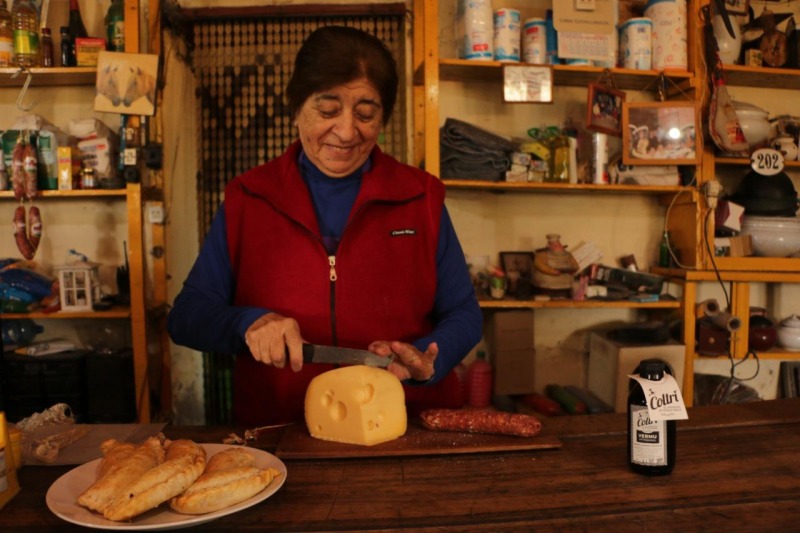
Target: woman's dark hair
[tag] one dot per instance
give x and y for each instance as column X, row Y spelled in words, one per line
column 335, row 55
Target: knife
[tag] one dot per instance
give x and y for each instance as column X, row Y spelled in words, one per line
column 314, row 353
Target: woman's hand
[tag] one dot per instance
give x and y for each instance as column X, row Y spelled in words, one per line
column 271, row 336
column 408, row 361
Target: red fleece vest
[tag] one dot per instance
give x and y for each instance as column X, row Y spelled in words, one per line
column 381, row 284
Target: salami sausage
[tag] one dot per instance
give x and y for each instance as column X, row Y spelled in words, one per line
column 21, row 234
column 18, row 170
column 35, row 219
column 481, row 421
column 30, row 164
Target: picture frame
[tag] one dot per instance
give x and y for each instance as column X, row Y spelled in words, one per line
column 518, row 266
column 660, row 133
column 527, row 84
column 126, row 83
column 737, row 7
column 604, row 109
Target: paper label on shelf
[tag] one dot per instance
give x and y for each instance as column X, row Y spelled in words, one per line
column 767, row 161
column 664, row 400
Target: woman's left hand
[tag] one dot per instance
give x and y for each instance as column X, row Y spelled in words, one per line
column 409, row 363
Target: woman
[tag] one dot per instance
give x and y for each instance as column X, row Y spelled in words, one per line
column 334, row 243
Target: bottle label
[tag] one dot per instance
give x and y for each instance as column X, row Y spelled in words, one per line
column 6, row 51
column 116, row 35
column 26, row 42
column 664, row 400
column 648, row 438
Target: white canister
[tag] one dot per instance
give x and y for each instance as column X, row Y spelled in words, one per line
column 534, row 41
column 474, row 30
column 670, row 47
column 507, row 35
column 600, row 158
column 635, row 44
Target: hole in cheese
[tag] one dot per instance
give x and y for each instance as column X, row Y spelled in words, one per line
column 356, row 404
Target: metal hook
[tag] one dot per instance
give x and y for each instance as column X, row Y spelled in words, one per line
column 24, row 90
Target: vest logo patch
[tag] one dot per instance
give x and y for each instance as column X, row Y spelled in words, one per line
column 401, row 232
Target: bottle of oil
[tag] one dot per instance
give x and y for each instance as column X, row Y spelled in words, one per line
column 25, row 20
column 6, row 36
column 558, row 166
column 651, row 443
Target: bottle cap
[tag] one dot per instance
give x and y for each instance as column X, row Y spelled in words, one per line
column 45, row 31
column 64, row 29
column 652, row 366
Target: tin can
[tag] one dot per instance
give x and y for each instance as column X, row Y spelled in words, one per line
column 534, row 41
column 635, row 44
column 474, row 29
column 506, row 34
column 670, row 45
column 88, row 179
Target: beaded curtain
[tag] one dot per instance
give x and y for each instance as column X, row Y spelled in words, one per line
column 242, row 67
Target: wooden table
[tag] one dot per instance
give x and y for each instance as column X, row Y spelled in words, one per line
column 738, row 469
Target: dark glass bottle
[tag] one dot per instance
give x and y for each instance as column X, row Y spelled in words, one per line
column 651, row 444
column 67, row 52
column 47, row 48
column 76, row 28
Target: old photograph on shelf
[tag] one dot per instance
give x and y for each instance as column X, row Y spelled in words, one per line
column 604, row 109
column 660, row 133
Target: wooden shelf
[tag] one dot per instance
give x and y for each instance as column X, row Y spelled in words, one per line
column 562, row 187
column 49, row 77
column 576, row 304
column 118, row 311
column 80, row 193
column 774, row 78
column 755, row 269
column 465, row 70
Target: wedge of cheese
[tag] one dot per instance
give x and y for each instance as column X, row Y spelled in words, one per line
column 356, row 404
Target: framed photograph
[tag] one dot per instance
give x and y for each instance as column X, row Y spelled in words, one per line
column 660, row 133
column 517, row 266
column 737, row 7
column 604, row 109
column 528, row 84
column 126, row 83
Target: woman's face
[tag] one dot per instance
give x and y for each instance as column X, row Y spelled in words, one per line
column 339, row 127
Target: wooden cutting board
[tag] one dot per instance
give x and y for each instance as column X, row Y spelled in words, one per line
column 297, row 443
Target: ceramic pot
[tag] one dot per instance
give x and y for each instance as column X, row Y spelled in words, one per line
column 789, row 333
column 729, row 47
column 785, row 144
column 762, row 335
column 755, row 124
column 773, row 236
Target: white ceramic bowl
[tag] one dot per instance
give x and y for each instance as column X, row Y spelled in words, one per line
column 789, row 333
column 755, row 124
column 773, row 236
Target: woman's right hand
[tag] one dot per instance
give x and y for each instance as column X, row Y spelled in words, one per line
column 271, row 337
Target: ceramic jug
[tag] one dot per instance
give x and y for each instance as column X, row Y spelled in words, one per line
column 729, row 47
column 785, row 144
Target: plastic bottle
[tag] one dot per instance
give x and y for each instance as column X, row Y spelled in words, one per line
column 558, row 166
column 67, row 51
column 47, row 48
column 6, row 36
column 479, row 380
column 9, row 485
column 651, row 444
column 115, row 26
column 25, row 20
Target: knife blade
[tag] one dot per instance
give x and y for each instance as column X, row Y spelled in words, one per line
column 315, row 353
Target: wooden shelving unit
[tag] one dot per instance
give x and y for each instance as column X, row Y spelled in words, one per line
column 48, row 77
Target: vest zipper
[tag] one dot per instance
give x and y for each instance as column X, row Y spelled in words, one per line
column 332, row 278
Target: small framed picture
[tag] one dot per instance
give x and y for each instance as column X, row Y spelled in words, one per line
column 126, row 83
column 604, row 109
column 660, row 133
column 528, row 84
column 518, row 266
column 737, row 7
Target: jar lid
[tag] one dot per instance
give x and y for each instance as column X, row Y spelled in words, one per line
column 791, row 322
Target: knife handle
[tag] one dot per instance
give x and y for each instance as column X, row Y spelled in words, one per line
column 308, row 353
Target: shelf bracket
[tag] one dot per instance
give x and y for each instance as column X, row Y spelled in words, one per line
column 24, row 90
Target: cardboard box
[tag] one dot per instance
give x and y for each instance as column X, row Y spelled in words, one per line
column 64, row 162
column 611, row 362
column 509, row 339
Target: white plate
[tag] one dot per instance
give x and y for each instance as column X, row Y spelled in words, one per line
column 63, row 495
